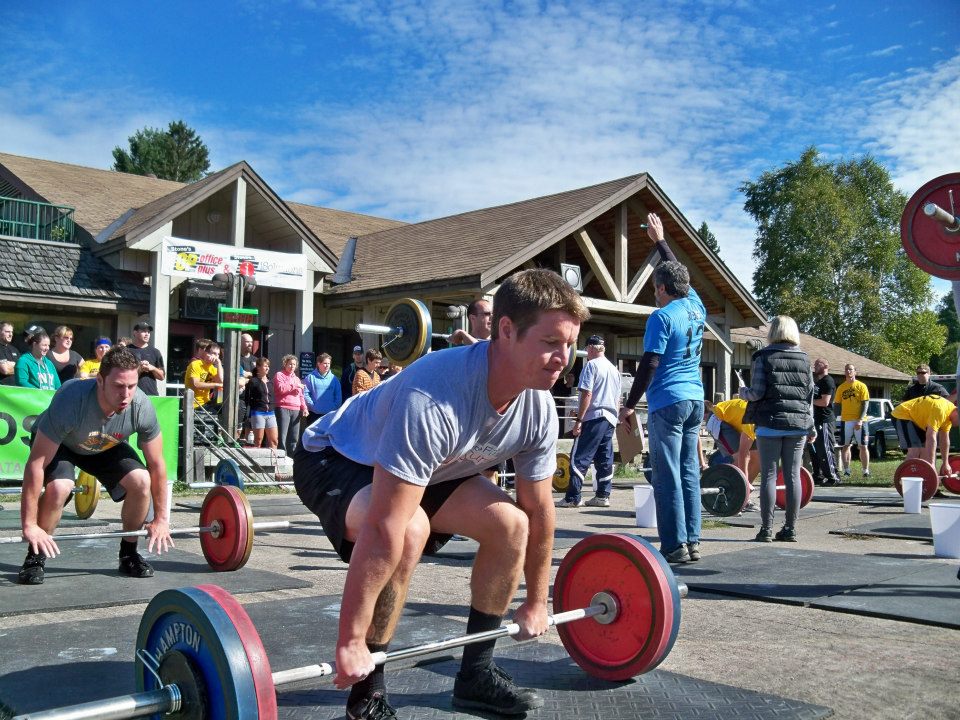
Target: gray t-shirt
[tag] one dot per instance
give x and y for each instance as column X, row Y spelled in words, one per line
column 433, row 422
column 601, row 378
column 75, row 420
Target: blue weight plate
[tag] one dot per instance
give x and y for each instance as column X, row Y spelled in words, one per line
column 190, row 621
column 228, row 473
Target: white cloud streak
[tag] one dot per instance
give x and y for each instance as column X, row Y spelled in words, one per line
column 490, row 103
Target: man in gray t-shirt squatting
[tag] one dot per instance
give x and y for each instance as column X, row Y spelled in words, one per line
column 87, row 425
column 403, row 461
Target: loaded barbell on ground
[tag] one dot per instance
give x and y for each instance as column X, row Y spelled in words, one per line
column 920, row 468
column 409, row 330
column 201, row 656
column 86, row 495
column 226, row 530
column 725, row 490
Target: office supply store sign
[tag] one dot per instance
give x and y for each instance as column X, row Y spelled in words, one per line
column 201, row 261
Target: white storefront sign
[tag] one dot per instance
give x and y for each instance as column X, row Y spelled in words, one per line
column 202, row 260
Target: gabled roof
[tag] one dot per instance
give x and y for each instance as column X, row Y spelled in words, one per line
column 333, row 227
column 835, row 356
column 51, row 271
column 474, row 249
column 99, row 196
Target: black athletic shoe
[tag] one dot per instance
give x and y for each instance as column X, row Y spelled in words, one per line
column 765, row 535
column 786, row 534
column 374, row 707
column 493, row 690
column 32, row 571
column 135, row 566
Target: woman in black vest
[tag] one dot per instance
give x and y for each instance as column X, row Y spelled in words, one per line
column 780, row 400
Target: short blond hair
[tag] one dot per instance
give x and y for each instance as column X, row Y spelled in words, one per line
column 783, row 329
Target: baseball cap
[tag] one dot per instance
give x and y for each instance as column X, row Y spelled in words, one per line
column 595, row 340
column 102, row 341
column 143, row 325
column 357, row 349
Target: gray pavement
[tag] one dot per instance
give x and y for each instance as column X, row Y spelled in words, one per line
column 858, row 665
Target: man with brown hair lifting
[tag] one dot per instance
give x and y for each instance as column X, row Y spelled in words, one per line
column 398, row 469
column 87, row 426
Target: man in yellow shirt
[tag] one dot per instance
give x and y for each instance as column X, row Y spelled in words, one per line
column 853, row 396
column 922, row 425
column 735, row 438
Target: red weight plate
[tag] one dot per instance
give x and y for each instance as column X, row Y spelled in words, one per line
column 953, row 483
column 252, row 645
column 806, row 489
column 915, row 467
column 228, row 506
column 925, row 240
column 640, row 636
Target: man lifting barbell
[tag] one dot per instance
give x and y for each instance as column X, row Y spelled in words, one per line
column 736, row 440
column 401, row 465
column 922, row 425
column 87, row 425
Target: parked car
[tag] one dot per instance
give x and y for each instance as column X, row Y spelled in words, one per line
column 880, row 428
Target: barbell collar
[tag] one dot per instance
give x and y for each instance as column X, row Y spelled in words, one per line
column 163, row 701
column 311, row 672
column 261, row 526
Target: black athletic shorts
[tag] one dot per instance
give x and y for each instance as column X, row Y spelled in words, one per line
column 326, row 482
column 109, row 467
column 910, row 434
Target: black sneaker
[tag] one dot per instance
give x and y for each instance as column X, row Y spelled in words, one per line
column 679, row 555
column 374, row 707
column 765, row 535
column 493, row 690
column 786, row 534
column 135, row 566
column 32, row 571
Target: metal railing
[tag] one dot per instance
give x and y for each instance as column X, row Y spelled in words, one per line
column 36, row 220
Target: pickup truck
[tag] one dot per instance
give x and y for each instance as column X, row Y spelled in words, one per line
column 880, row 428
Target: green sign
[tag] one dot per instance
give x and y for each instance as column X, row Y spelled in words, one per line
column 238, row 318
column 19, row 408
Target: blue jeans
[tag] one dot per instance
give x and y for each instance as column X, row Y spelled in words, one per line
column 594, row 446
column 675, row 467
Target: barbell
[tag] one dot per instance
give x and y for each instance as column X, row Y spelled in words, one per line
column 201, row 656
column 920, row 468
column 408, row 331
column 929, row 232
column 86, row 494
column 725, row 489
column 226, row 529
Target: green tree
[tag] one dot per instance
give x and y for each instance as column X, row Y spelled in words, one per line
column 945, row 362
column 828, row 254
column 708, row 237
column 177, row 153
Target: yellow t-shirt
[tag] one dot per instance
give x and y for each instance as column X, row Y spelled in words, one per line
column 731, row 412
column 851, row 396
column 204, row 372
column 90, row 367
column 927, row 411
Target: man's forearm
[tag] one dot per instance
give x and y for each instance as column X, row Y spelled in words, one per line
column 374, row 560
column 585, row 397
column 539, row 557
column 30, row 494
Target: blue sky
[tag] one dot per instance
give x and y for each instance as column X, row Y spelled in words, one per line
column 417, row 109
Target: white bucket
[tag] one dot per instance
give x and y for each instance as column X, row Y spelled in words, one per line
column 945, row 523
column 645, row 506
column 912, row 494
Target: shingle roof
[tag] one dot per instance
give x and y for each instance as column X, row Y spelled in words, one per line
column 99, row 196
column 465, row 245
column 333, row 227
column 835, row 356
column 54, row 270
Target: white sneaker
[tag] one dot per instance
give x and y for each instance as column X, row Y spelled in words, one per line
column 569, row 504
column 598, row 502
column 866, row 473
